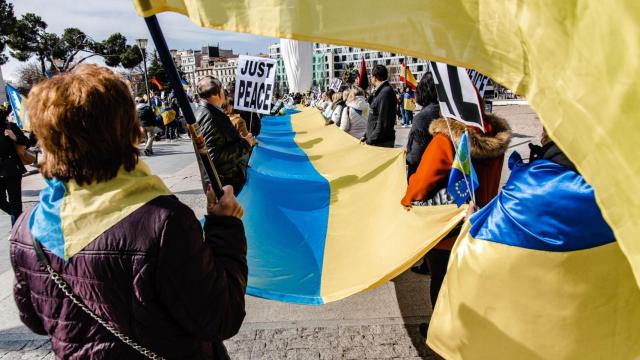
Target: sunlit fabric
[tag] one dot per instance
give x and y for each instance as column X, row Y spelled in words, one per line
column 297, row 57
column 322, row 216
column 575, row 61
column 537, row 274
column 70, row 216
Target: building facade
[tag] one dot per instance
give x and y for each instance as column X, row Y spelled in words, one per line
column 222, row 68
column 331, row 61
column 210, row 60
column 187, row 61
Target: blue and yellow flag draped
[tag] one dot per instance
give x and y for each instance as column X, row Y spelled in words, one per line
column 322, row 216
column 69, row 216
column 537, row 274
column 575, row 61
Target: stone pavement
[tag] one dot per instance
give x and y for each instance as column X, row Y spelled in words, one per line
column 377, row 324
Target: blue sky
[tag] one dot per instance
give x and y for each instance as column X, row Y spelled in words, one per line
column 99, row 19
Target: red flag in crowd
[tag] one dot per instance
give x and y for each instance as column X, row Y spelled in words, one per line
column 155, row 82
column 363, row 79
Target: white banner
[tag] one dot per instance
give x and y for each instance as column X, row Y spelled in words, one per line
column 254, row 84
column 335, row 84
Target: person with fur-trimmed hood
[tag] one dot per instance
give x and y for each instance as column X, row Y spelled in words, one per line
column 428, row 185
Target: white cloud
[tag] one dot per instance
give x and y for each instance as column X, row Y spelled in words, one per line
column 99, row 19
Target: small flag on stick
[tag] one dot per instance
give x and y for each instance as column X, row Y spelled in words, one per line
column 463, row 179
column 409, row 80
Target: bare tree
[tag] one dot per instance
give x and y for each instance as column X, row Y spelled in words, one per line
column 29, row 75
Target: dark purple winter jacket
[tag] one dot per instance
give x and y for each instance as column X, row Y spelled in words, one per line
column 151, row 275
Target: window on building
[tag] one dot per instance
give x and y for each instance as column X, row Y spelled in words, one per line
column 336, row 58
column 387, row 62
column 420, row 67
column 344, row 57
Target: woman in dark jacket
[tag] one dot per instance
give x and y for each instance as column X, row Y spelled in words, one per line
column 134, row 257
column 419, row 136
column 11, row 169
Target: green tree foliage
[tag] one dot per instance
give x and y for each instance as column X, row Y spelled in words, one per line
column 61, row 53
column 131, row 57
column 350, row 75
column 8, row 21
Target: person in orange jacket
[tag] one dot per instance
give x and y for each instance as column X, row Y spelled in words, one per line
column 428, row 185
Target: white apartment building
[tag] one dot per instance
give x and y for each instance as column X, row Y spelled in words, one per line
column 222, row 69
column 187, row 61
column 330, row 61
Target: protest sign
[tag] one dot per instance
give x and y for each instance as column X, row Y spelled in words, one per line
column 335, row 84
column 254, row 84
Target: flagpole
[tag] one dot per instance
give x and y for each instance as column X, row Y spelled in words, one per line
column 473, row 191
column 405, row 74
column 197, row 139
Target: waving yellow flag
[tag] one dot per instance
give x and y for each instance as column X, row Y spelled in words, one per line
column 577, row 62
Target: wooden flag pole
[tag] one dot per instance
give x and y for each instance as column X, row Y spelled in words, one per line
column 197, row 139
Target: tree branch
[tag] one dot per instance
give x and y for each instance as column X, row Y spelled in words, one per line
column 81, row 60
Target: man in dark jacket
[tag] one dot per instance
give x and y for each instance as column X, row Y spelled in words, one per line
column 382, row 117
column 228, row 150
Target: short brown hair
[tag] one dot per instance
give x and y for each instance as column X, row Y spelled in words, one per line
column 85, row 122
column 209, row 86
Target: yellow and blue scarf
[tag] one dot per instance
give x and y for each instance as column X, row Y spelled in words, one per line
column 69, row 216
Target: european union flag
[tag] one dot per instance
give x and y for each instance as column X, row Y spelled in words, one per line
column 462, row 174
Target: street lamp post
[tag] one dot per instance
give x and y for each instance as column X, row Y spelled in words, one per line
column 142, row 46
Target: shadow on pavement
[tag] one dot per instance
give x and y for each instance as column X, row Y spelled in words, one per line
column 412, row 293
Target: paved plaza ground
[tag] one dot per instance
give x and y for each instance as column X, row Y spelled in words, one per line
column 378, row 324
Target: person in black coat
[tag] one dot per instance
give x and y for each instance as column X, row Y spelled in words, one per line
column 11, row 169
column 228, row 150
column 253, row 121
column 419, row 136
column 382, row 117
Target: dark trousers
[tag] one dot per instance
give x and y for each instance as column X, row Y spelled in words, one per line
column 437, row 259
column 172, row 130
column 11, row 196
column 411, row 169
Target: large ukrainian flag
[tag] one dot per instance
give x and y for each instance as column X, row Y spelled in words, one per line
column 537, row 274
column 575, row 61
column 322, row 213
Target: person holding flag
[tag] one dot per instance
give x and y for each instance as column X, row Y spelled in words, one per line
column 429, row 185
column 409, row 106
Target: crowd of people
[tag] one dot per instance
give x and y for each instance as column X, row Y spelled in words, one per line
column 163, row 284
